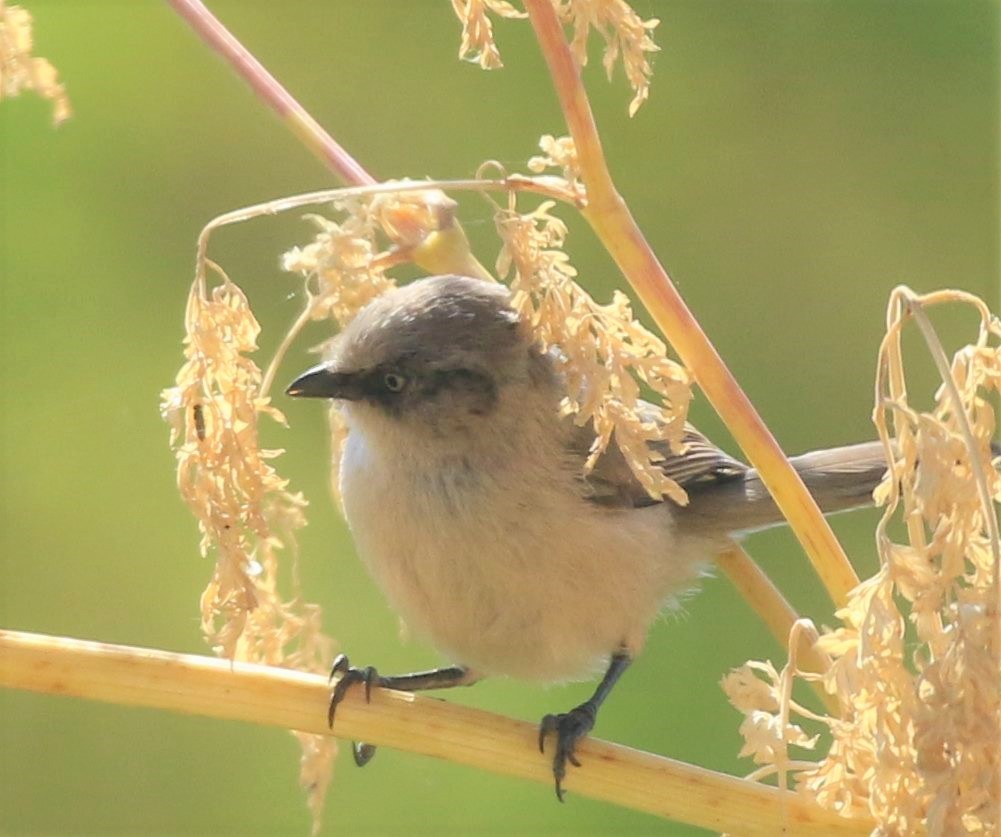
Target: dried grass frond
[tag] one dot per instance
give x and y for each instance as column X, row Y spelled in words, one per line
column 603, row 352
column 246, row 513
column 627, row 36
column 560, row 153
column 477, row 43
column 20, row 70
column 917, row 657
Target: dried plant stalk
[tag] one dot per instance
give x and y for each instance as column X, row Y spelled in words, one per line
column 767, row 601
column 288, row 699
column 917, row 658
column 610, row 218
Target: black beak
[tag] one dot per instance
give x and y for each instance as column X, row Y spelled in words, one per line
column 323, row 382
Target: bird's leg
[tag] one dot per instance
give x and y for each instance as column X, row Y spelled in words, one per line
column 570, row 727
column 347, row 676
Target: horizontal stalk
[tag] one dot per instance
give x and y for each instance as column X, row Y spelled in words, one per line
column 296, row 700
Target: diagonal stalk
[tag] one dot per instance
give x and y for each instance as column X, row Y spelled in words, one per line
column 271, row 92
column 444, row 250
column 772, row 608
column 615, row 226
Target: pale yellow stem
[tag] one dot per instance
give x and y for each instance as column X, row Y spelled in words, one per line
column 611, row 219
column 296, row 700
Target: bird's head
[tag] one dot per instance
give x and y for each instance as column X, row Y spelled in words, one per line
column 434, row 358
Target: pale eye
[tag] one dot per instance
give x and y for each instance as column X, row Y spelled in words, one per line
column 394, row 382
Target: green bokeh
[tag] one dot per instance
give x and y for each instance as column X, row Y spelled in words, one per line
column 796, row 161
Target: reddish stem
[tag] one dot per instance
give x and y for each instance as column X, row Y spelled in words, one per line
column 268, row 88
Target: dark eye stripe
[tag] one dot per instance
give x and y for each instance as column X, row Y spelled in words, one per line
column 479, row 385
column 478, row 388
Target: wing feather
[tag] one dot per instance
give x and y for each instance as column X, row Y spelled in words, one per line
column 612, row 482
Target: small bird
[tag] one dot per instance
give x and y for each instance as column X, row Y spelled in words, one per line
column 466, row 494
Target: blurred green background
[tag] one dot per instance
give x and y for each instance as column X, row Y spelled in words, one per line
column 796, row 160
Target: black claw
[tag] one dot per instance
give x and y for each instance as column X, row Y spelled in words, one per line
column 347, row 676
column 362, row 752
column 570, row 727
column 340, row 665
column 369, row 675
column 547, row 726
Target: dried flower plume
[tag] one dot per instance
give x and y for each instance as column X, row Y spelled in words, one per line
column 917, row 657
column 627, row 36
column 20, row 70
column 603, row 351
column 245, row 511
column 477, row 43
column 560, row 153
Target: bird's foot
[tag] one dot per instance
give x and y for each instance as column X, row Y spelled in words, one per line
column 347, row 676
column 570, row 727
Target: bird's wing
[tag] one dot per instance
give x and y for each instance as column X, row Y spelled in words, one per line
column 612, row 482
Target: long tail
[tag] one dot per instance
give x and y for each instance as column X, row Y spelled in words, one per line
column 838, row 478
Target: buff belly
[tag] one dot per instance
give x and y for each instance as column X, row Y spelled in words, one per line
column 540, row 585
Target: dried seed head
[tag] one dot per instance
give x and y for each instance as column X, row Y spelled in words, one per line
column 604, row 351
column 627, row 36
column 245, row 511
column 560, row 153
column 917, row 657
column 20, row 71
column 477, row 31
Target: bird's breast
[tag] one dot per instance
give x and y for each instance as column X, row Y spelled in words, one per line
column 508, row 573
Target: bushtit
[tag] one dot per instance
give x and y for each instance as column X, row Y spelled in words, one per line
column 466, row 494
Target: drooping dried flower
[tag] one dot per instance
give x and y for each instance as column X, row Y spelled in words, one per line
column 603, row 350
column 560, row 153
column 917, row 657
column 245, row 511
column 626, row 35
column 20, row 70
column 338, row 264
column 477, row 31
